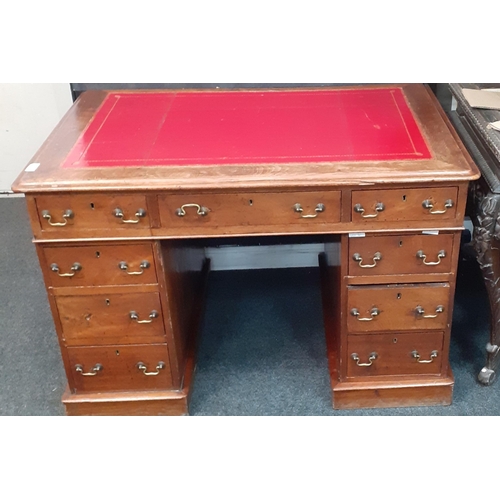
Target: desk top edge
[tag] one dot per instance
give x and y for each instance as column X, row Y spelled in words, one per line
column 448, row 163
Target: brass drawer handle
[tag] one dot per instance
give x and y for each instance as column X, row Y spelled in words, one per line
column 97, row 368
column 118, row 212
column 75, row 268
column 181, row 212
column 416, row 355
column 429, row 206
column 376, row 257
column 374, row 312
column 68, row 214
column 379, row 207
column 440, row 255
column 420, row 311
column 160, row 366
column 371, row 358
column 319, row 208
column 124, row 266
column 152, row 315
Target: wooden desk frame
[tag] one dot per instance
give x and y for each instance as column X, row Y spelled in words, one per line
column 423, row 201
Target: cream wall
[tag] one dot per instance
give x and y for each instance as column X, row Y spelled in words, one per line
column 28, row 113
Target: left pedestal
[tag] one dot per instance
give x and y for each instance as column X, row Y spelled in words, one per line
column 126, row 312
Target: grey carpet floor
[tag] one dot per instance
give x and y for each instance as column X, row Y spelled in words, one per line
column 262, row 349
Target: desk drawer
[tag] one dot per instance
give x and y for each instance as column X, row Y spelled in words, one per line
column 395, row 354
column 119, row 368
column 129, row 318
column 99, row 265
column 400, row 254
column 197, row 212
column 82, row 215
column 397, row 307
column 428, row 204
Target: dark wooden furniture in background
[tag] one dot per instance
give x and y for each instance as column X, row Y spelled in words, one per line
column 130, row 186
column 483, row 144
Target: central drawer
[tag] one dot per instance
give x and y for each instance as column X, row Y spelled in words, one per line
column 200, row 212
column 127, row 318
column 397, row 307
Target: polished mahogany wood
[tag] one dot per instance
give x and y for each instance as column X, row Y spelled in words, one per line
column 429, row 391
column 188, row 212
column 375, row 308
column 401, row 254
column 117, row 215
column 120, row 370
column 132, row 403
column 105, row 318
column 394, row 354
column 404, row 204
column 182, row 287
column 100, row 265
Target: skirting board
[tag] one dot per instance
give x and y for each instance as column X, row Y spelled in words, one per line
column 227, row 258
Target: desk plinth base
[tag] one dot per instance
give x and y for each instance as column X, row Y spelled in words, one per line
column 158, row 403
column 386, row 394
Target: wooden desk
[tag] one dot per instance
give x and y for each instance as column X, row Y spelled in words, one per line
column 130, row 185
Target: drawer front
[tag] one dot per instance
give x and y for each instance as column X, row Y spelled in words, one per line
column 403, row 254
column 395, row 354
column 431, row 204
column 81, row 214
column 119, row 368
column 113, row 318
column 100, row 265
column 397, row 307
column 294, row 209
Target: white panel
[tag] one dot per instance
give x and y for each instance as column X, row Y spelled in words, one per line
column 269, row 256
column 28, row 114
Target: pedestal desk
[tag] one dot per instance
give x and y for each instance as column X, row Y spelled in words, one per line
column 130, row 188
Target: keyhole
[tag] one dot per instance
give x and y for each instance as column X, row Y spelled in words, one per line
column 108, row 302
column 404, row 197
column 398, row 296
column 92, row 206
column 394, row 340
column 117, row 352
column 250, row 202
column 400, row 243
column 98, row 254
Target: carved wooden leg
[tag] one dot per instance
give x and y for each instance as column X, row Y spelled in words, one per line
column 485, row 239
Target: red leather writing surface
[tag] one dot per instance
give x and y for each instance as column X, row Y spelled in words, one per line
column 203, row 128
